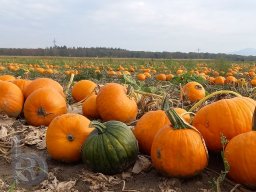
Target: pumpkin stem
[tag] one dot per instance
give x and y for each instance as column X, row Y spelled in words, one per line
column 166, row 105
column 176, row 121
column 99, row 126
column 69, row 83
column 70, row 137
column 41, row 111
column 212, row 95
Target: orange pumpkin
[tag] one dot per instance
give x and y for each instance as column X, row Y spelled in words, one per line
column 181, row 112
column 7, row 78
column 65, row 136
column 43, row 105
column 147, row 127
column 141, row 77
column 194, row 91
column 41, row 83
column 113, row 104
column 83, row 89
column 230, row 80
column 11, row 99
column 89, row 107
column 169, row 77
column 219, row 80
column 22, row 84
column 161, row 77
column 229, row 117
column 178, row 149
column 240, row 154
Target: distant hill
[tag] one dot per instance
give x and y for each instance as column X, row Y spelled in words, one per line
column 245, row 52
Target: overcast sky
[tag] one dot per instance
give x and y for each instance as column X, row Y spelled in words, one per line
column 150, row 25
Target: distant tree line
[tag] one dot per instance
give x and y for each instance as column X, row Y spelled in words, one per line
column 116, row 52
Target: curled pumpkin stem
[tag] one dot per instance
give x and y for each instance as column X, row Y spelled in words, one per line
column 212, row 95
column 69, row 83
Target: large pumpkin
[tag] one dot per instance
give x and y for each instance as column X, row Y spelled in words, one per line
column 178, row 150
column 147, row 127
column 229, row 117
column 111, row 148
column 65, row 136
column 11, row 99
column 193, row 91
column 83, row 89
column 240, row 155
column 41, row 83
column 113, row 103
column 43, row 105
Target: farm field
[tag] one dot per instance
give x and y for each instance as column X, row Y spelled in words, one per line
column 147, row 82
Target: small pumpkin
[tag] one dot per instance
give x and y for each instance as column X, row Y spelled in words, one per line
column 41, row 83
column 11, row 99
column 83, row 89
column 66, row 135
column 161, row 77
column 147, row 127
column 229, row 117
column 89, row 107
column 111, row 148
column 114, row 104
column 193, row 91
column 141, row 77
column 43, row 105
column 182, row 113
column 178, row 149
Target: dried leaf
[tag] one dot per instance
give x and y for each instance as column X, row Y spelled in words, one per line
column 3, row 132
column 65, row 186
column 141, row 164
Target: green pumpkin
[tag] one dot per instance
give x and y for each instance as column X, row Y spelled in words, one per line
column 110, row 148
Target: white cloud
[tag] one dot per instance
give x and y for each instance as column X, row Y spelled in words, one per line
column 170, row 25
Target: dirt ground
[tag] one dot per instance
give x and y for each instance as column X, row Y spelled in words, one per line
column 76, row 177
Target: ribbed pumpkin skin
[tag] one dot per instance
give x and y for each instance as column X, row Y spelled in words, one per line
column 178, row 153
column 43, row 105
column 58, row 144
column 240, row 153
column 11, row 99
column 113, row 104
column 41, row 83
column 147, row 127
column 112, row 151
column 22, row 84
column 229, row 117
column 7, row 77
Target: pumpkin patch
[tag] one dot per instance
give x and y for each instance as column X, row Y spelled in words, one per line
column 101, row 124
